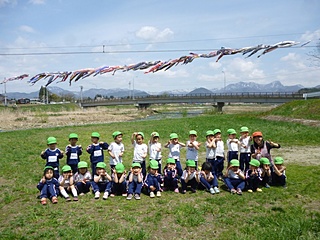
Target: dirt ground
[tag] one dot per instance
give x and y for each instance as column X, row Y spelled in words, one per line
column 17, row 120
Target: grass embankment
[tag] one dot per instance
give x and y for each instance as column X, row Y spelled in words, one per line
column 275, row 213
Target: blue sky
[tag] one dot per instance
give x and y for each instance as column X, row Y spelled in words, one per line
column 143, row 27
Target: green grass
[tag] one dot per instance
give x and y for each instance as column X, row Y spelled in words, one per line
column 276, row 213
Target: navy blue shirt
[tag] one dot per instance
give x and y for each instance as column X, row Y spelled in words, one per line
column 52, row 157
column 96, row 152
column 73, row 153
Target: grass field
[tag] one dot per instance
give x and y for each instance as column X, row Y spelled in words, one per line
column 276, row 213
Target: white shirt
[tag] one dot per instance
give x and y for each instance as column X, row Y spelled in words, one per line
column 155, row 151
column 220, row 149
column 139, row 151
column 245, row 141
column 174, row 151
column 210, row 152
column 232, row 146
column 192, row 152
column 189, row 177
column 116, row 149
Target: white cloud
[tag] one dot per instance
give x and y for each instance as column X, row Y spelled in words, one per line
column 153, row 34
column 315, row 35
column 3, row 3
column 25, row 28
column 37, row 2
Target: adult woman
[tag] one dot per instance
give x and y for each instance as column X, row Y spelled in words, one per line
column 261, row 148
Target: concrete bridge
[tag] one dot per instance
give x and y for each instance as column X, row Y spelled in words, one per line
column 218, row 99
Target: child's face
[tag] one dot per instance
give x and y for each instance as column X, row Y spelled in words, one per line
column 67, row 174
column 49, row 174
column 171, row 166
column 94, row 139
column 210, row 137
column 153, row 171
column 118, row 139
column 218, row 135
column 100, row 171
column 206, row 172
column 155, row 139
column 82, row 170
column 235, row 168
column 192, row 137
column 252, row 167
column 245, row 134
column 232, row 136
column 258, row 140
column 52, row 146
column 73, row 141
column 266, row 166
column 192, row 169
column 279, row 166
column 175, row 140
column 139, row 139
column 135, row 170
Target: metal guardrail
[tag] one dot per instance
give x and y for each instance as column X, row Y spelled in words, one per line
column 310, row 95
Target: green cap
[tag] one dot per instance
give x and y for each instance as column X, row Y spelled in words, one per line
column 173, row 135
column 119, row 168
column 73, row 135
column 66, row 168
column 254, row 162
column 101, row 165
column 155, row 134
column 216, row 131
column 193, row 132
column 95, row 134
column 264, row 160
column 171, row 160
column 136, row 164
column 141, row 133
column 51, row 140
column 244, row 129
column 209, row 132
column 48, row 167
column 231, row 131
column 191, row 163
column 116, row 133
column 278, row 160
column 82, row 164
column 235, row 163
column 154, row 164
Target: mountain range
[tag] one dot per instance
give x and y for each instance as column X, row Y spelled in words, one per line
column 275, row 86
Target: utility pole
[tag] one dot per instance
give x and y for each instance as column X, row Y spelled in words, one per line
column 5, row 93
column 129, row 89
column 47, row 95
column 81, row 89
column 133, row 89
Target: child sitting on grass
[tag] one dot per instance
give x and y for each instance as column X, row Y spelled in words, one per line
column 234, row 178
column 135, row 179
column 278, row 174
column 48, row 186
column 67, row 184
column 171, row 176
column 207, row 179
column 253, row 176
column 189, row 177
column 266, row 172
column 119, row 184
column 101, row 181
column 82, row 178
column 153, row 180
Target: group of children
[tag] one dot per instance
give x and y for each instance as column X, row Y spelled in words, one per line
column 76, row 178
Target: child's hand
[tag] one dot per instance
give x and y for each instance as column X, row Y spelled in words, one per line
column 101, row 142
column 114, row 171
column 80, row 146
column 42, row 152
column 43, row 179
column 152, row 188
column 120, row 154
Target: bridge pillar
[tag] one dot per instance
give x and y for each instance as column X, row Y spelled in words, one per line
column 220, row 106
column 143, row 106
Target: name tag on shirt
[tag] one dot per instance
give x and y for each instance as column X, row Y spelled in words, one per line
column 97, row 153
column 73, row 156
column 52, row 158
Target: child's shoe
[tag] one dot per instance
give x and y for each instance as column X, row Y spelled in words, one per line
column 43, row 201
column 75, row 199
column 68, row 199
column 152, row 194
column 81, row 194
column 97, row 195
column 111, row 195
column 259, row 190
column 212, row 191
column 124, row 194
column 105, row 195
column 233, row 191
column 250, row 190
column 267, row 185
column 137, row 196
column 184, row 191
column 239, row 192
column 54, row 200
column 176, row 190
column 193, row 190
column 158, row 194
column 216, row 190
column 129, row 197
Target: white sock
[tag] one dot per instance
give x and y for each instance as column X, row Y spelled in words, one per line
column 74, row 192
column 64, row 193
